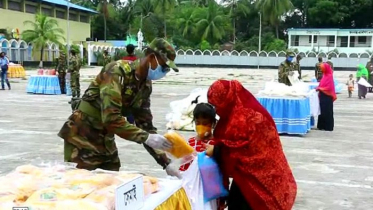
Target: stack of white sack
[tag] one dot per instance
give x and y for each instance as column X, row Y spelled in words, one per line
column 275, row 89
column 181, row 115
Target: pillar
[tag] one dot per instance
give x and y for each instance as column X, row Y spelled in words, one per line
column 89, row 53
column 348, row 41
column 335, row 41
column 312, row 41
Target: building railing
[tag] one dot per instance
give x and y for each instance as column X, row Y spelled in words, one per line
column 22, row 51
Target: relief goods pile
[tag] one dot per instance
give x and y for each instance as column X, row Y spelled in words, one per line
column 61, row 187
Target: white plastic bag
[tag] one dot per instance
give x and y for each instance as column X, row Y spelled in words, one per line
column 364, row 83
column 192, row 184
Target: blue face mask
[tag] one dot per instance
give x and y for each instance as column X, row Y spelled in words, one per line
column 157, row 73
column 290, row 59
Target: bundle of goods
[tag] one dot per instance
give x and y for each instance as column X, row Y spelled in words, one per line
column 181, row 115
column 61, row 186
column 46, row 72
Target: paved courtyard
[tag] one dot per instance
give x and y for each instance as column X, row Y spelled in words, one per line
column 334, row 170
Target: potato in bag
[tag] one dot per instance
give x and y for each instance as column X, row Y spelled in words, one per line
column 78, row 204
column 104, row 197
column 180, row 146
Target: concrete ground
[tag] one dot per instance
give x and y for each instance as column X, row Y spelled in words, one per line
column 334, row 170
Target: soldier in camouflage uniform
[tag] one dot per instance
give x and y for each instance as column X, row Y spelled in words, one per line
column 286, row 68
column 61, row 69
column 330, row 62
column 297, row 66
column 369, row 66
column 120, row 89
column 318, row 71
column 107, row 58
column 74, row 68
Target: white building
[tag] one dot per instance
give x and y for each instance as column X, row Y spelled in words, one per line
column 326, row 40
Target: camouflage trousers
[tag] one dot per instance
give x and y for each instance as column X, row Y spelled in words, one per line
column 86, row 159
column 75, row 84
column 62, row 81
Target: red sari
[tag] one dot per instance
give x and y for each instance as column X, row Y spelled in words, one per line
column 251, row 148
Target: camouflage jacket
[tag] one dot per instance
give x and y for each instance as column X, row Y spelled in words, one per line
column 74, row 64
column 297, row 68
column 107, row 60
column 318, row 72
column 330, row 64
column 283, row 72
column 115, row 94
column 62, row 63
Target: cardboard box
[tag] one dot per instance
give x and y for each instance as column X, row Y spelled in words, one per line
column 130, row 195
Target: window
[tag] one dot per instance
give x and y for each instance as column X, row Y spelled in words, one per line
column 344, row 41
column 73, row 16
column 362, row 40
column 31, row 8
column 310, row 39
column 84, row 18
column 60, row 14
column 331, row 40
column 2, row 4
column 47, row 11
column 14, row 5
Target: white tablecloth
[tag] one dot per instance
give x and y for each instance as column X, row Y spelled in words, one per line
column 168, row 188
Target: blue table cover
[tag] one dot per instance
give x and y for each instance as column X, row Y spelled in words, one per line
column 44, row 84
column 291, row 115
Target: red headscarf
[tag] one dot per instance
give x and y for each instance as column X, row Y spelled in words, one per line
column 327, row 82
column 251, row 149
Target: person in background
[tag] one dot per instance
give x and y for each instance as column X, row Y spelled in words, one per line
column 362, row 72
column 74, row 70
column 248, row 150
column 118, row 90
column 204, row 117
column 4, row 63
column 318, row 72
column 297, row 66
column 327, row 96
column 286, row 68
column 107, row 57
column 369, row 66
column 131, row 53
column 330, row 62
column 61, row 69
column 130, row 57
column 350, row 85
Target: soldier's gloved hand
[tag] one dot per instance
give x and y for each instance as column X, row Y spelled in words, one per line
column 172, row 170
column 157, row 141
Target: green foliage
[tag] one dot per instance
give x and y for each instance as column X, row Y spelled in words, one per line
column 205, row 45
column 44, row 30
column 100, row 58
column 188, row 22
column 275, row 45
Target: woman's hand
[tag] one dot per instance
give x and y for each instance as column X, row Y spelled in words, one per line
column 209, row 150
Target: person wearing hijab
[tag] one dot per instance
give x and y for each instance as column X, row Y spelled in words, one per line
column 248, row 149
column 362, row 72
column 327, row 96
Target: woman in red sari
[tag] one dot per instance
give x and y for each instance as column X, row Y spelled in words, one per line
column 248, row 149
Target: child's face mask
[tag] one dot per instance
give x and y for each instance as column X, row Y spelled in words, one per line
column 203, row 131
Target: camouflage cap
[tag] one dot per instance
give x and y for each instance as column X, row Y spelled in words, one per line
column 166, row 50
column 290, row 53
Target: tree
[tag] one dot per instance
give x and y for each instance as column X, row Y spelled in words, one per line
column 106, row 11
column 164, row 7
column 274, row 10
column 212, row 23
column 237, row 8
column 44, row 30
